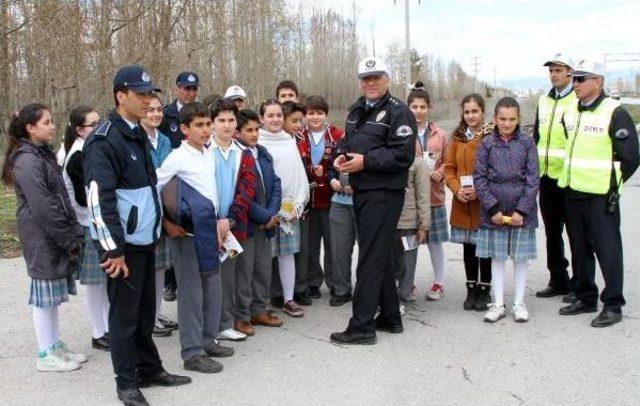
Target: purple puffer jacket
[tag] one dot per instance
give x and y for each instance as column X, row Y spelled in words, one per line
column 506, row 178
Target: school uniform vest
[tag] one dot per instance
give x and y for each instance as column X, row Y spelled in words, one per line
column 552, row 137
column 588, row 158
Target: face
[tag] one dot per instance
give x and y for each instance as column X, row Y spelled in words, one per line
column 374, row 87
column 507, row 120
column 472, row 114
column 272, row 118
column 558, row 76
column 293, row 123
column 225, row 125
column 90, row 122
column 248, row 134
column 587, row 87
column 134, row 105
column 240, row 103
column 154, row 114
column 286, row 94
column 420, row 109
column 186, row 94
column 43, row 130
column 198, row 132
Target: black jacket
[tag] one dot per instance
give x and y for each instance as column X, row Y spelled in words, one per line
column 170, row 125
column 47, row 227
column 386, row 135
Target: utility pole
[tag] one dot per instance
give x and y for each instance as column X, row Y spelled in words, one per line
column 476, row 63
column 407, row 50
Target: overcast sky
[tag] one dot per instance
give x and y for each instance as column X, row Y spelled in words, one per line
column 514, row 37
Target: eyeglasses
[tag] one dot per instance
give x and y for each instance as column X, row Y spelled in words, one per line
column 91, row 125
column 581, row 79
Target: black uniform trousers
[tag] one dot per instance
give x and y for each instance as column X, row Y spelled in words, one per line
column 553, row 207
column 377, row 214
column 594, row 231
column 132, row 314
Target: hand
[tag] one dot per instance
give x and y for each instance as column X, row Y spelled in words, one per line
column 461, row 195
column 497, row 218
column 273, row 222
column 437, row 176
column 318, row 171
column 173, row 230
column 421, row 235
column 115, row 266
column 223, row 229
column 347, row 190
column 516, row 219
column 337, row 163
column 335, row 185
column 471, row 193
column 355, row 164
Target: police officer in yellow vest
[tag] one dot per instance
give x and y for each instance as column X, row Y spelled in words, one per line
column 600, row 154
column 550, row 138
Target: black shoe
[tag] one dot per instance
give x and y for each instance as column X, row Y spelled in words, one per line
column 164, row 379
column 219, row 351
column 339, row 300
column 167, row 322
column 277, row 302
column 389, row 328
column 551, row 291
column 101, row 343
column 202, row 363
column 314, row 292
column 131, row 397
column 483, row 297
column 159, row 330
column 302, row 299
column 169, row 294
column 578, row 307
column 606, row 318
column 347, row 337
column 570, row 297
column 470, row 301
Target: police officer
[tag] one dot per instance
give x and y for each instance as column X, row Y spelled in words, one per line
column 186, row 92
column 376, row 152
column 549, row 135
column 600, row 154
column 125, row 212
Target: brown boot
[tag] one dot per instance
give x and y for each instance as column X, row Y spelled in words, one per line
column 266, row 319
column 244, row 327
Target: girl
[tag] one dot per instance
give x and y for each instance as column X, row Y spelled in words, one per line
column 465, row 208
column 431, row 145
column 506, row 183
column 47, row 227
column 295, row 194
column 160, row 149
column 82, row 121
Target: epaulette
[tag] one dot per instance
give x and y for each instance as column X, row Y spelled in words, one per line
column 103, row 129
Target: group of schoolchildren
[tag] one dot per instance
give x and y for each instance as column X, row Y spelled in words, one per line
column 270, row 177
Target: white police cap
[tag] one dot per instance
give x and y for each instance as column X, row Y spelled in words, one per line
column 560, row 59
column 586, row 67
column 371, row 66
column 235, row 92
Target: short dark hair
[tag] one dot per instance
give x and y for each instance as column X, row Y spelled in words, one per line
column 191, row 111
column 508, row 103
column 246, row 115
column 211, row 100
column 317, row 102
column 223, row 105
column 287, row 84
column 289, row 107
column 116, row 90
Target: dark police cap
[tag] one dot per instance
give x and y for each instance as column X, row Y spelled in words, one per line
column 185, row 79
column 134, row 77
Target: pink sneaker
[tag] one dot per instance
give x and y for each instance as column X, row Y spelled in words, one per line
column 436, row 292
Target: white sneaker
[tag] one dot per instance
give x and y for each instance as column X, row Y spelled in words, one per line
column 231, row 334
column 64, row 351
column 403, row 310
column 495, row 313
column 520, row 312
column 54, row 362
column 436, row 292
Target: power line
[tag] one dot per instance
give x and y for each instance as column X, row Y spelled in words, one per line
column 476, row 63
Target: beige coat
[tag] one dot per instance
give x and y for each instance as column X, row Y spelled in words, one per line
column 416, row 214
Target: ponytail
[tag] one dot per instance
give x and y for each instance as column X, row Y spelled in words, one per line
column 77, row 118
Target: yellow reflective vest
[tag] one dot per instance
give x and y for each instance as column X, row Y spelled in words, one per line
column 552, row 140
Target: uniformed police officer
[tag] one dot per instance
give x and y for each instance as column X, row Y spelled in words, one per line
column 600, row 154
column 186, row 92
column 549, row 135
column 377, row 150
column 125, row 211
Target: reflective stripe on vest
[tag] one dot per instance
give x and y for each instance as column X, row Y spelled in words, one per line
column 552, row 136
column 589, row 151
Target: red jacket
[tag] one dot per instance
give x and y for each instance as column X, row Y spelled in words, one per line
column 321, row 194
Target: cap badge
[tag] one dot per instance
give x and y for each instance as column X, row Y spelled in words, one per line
column 191, row 78
column 370, row 63
column 145, row 76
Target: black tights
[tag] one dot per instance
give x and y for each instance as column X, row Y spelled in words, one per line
column 471, row 263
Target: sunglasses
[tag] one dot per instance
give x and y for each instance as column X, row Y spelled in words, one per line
column 581, row 79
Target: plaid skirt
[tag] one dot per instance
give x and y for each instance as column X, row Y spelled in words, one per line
column 163, row 254
column 89, row 271
column 51, row 292
column 286, row 244
column 517, row 243
column 464, row 236
column 439, row 229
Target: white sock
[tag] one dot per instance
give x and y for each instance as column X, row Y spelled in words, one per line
column 436, row 251
column 497, row 281
column 287, row 268
column 159, row 291
column 520, row 280
column 43, row 323
column 97, row 301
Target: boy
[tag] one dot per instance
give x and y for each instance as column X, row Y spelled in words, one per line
column 200, row 296
column 253, row 267
column 235, row 183
column 287, row 91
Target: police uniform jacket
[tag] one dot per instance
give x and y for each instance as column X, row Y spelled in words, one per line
column 170, row 125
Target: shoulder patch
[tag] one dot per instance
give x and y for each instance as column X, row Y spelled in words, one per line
column 404, row 131
column 622, row 133
column 103, row 129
